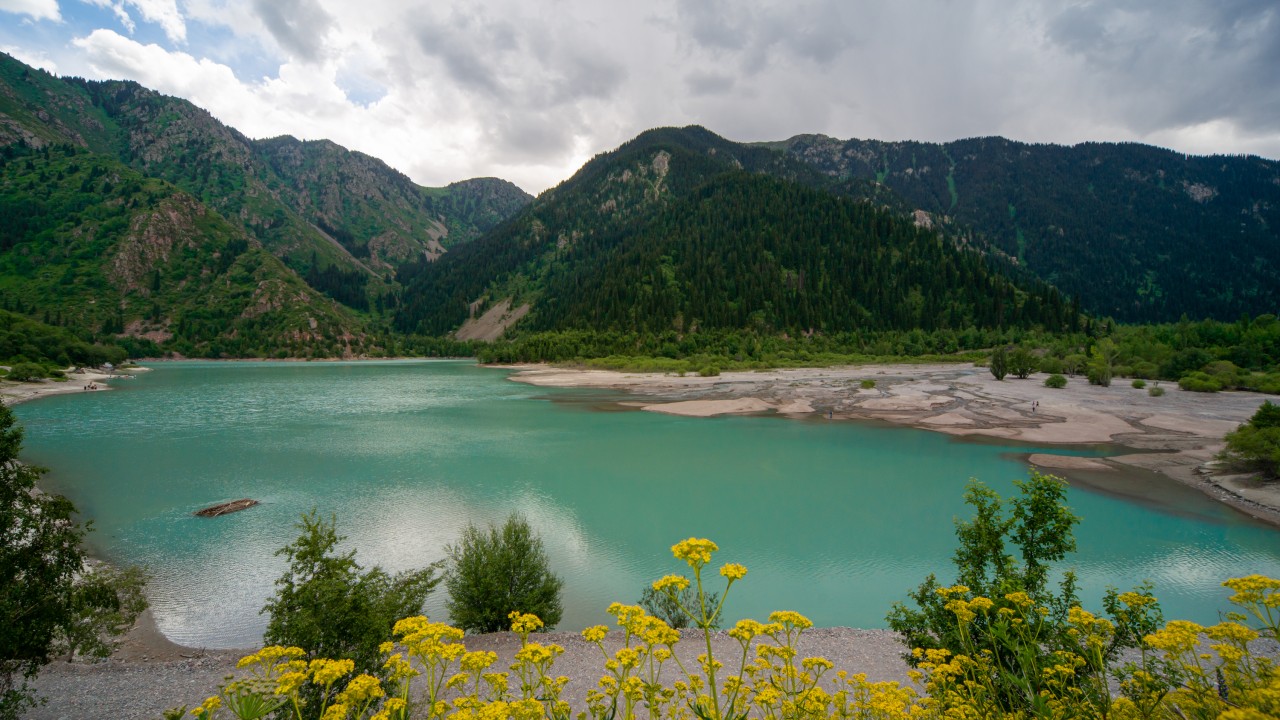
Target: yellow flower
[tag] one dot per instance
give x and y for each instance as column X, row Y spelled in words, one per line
column 595, row 633
column 362, row 689
column 478, row 660
column 524, row 623
column 391, row 707
column 1019, row 598
column 746, row 629
column 289, row 683
column 326, row 672
column 679, row 582
column 1136, row 600
column 206, row 709
column 733, row 571
column 537, row 653
column 790, row 617
column 695, row 551
column 336, row 711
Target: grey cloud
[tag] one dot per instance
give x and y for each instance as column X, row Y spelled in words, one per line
column 299, row 26
column 708, row 83
column 528, row 137
column 1179, row 62
column 467, row 44
column 818, row 31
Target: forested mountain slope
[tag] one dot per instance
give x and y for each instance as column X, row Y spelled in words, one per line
column 89, row 244
column 682, row 230
column 1136, row 232
column 342, row 219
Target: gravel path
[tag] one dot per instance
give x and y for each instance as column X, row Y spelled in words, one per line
column 147, row 676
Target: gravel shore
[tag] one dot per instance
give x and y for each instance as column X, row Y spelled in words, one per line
column 149, row 674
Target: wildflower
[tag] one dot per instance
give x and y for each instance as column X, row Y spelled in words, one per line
column 790, row 617
column 1136, row 600
column 1177, row 636
column 746, row 629
column 393, row 707
column 733, row 571
column 1253, row 589
column 1021, row 599
column 478, row 660
column 537, row 653
column 524, row 623
column 336, row 711
column 206, row 709
column 361, row 690
column 595, row 633
column 679, row 582
column 953, row 590
column 326, row 672
column 289, row 683
column 399, row 667
column 695, row 551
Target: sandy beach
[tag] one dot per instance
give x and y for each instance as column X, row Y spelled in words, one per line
column 78, row 380
column 1177, row 434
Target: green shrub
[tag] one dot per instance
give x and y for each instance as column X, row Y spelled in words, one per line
column 497, row 572
column 1155, row 391
column 1255, row 445
column 1051, row 365
column 1074, row 363
column 1055, row 381
column 51, row 601
column 1022, row 362
column 1144, row 370
column 666, row 607
column 24, row 371
column 868, row 384
column 1040, row 526
column 709, row 371
column 1267, row 416
column 1199, row 382
column 1000, row 363
column 1139, row 384
column 328, row 606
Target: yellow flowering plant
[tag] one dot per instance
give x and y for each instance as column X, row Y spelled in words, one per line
column 1027, row 668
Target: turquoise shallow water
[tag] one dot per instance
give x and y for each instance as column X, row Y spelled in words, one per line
column 836, row 520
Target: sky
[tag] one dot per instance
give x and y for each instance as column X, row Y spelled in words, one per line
column 529, row 90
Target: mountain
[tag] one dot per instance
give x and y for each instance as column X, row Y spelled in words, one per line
column 1135, row 232
column 127, row 212
column 315, row 204
column 96, row 246
column 681, row 230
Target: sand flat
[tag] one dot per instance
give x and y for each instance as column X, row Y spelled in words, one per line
column 964, row 400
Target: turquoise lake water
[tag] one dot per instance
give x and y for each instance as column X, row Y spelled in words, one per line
column 834, row 519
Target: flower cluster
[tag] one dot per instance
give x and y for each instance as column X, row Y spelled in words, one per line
column 1184, row 669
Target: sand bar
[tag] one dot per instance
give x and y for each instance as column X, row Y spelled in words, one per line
column 962, row 400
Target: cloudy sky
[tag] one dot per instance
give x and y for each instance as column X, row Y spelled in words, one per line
column 529, row 90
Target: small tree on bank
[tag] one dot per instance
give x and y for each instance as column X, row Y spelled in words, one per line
column 1022, row 362
column 49, row 601
column 1255, row 445
column 498, row 571
column 329, row 606
column 1000, row 363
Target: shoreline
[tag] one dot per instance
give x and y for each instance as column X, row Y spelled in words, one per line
column 12, row 393
column 1177, row 435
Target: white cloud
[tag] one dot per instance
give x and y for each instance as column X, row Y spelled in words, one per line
column 528, row 91
column 35, row 59
column 35, row 9
column 161, row 12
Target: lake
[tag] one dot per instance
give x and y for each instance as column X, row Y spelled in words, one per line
column 834, row 519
